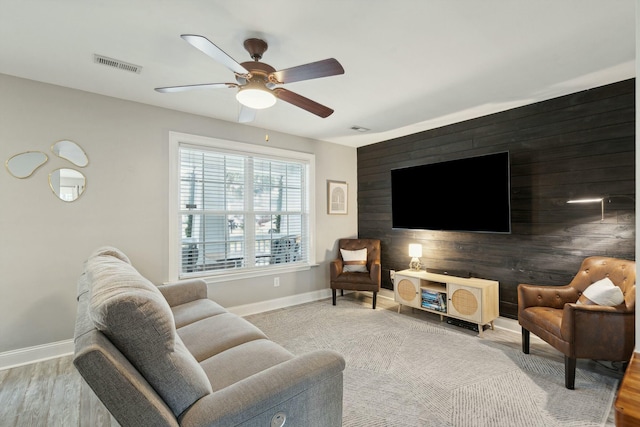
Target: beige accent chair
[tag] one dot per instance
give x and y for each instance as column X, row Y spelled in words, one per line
column 344, row 274
column 582, row 329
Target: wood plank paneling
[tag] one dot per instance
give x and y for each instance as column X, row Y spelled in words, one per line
column 573, row 146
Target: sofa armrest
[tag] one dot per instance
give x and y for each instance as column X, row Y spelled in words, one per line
column 120, row 386
column 185, row 291
column 308, row 388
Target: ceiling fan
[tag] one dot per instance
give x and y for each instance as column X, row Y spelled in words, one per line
column 259, row 83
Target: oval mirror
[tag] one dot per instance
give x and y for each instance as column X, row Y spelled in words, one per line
column 71, row 151
column 67, row 184
column 24, row 164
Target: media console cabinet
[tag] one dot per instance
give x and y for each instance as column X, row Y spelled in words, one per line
column 466, row 298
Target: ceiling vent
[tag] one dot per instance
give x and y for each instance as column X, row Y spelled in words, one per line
column 115, row 63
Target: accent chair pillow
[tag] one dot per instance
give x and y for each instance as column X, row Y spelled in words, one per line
column 354, row 261
column 135, row 316
column 602, row 292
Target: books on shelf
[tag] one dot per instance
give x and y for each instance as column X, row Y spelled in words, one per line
column 434, row 300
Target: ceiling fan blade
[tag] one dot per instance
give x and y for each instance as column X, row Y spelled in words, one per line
column 206, row 46
column 171, row 89
column 246, row 114
column 302, row 102
column 313, row 70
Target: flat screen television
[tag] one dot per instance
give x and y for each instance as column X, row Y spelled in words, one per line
column 469, row 194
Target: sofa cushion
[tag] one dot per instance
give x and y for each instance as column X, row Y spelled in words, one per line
column 191, row 312
column 602, row 292
column 223, row 331
column 134, row 315
column 354, row 261
column 242, row 361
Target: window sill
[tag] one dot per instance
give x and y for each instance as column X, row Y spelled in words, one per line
column 227, row 276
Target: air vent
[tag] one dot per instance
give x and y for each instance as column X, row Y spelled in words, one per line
column 360, row 128
column 110, row 62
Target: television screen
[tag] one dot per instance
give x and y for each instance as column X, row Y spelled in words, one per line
column 469, row 194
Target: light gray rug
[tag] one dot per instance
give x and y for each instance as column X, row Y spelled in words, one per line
column 405, row 371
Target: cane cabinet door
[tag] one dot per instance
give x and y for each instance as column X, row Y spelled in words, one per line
column 465, row 302
column 407, row 290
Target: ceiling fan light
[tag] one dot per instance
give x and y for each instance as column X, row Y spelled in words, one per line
column 255, row 98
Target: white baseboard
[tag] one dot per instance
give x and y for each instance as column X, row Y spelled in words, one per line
column 25, row 356
column 274, row 304
column 507, row 324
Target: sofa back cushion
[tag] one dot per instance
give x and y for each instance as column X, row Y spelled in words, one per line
column 137, row 319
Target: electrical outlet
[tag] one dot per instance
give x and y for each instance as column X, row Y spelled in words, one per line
column 392, row 275
column 276, row 282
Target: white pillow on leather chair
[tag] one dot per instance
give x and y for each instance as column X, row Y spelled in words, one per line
column 602, row 292
column 354, row 261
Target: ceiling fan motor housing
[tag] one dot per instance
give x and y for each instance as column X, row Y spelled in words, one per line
column 259, row 71
column 256, row 48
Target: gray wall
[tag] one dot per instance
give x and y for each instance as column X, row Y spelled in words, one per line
column 45, row 241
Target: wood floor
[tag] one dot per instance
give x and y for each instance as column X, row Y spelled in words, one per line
column 49, row 393
column 52, row 393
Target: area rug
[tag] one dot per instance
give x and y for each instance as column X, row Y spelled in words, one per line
column 404, row 371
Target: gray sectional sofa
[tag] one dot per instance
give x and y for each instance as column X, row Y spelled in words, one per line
column 169, row 356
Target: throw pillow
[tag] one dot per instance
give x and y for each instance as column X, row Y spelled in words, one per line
column 137, row 319
column 602, row 292
column 354, row 261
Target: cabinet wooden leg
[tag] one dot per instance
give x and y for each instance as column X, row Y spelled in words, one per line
column 480, row 331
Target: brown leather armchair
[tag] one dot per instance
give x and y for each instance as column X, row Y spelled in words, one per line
column 582, row 331
column 357, row 281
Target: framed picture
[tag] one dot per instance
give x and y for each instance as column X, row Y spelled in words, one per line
column 337, row 197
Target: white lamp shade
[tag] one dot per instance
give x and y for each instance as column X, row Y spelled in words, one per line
column 255, row 98
column 415, row 250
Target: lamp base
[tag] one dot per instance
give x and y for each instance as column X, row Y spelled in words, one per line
column 415, row 264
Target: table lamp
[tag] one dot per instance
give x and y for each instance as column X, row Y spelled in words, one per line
column 415, row 252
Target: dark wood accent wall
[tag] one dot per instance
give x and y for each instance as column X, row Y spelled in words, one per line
column 575, row 146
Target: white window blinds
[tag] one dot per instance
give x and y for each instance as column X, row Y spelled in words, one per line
column 240, row 211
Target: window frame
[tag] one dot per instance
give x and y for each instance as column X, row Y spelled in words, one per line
column 177, row 140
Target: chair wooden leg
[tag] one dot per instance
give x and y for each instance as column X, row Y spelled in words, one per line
column 333, row 293
column 569, row 372
column 341, row 292
column 374, row 300
column 526, row 339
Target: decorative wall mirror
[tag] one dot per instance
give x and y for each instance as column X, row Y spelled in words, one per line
column 71, row 151
column 67, row 184
column 23, row 165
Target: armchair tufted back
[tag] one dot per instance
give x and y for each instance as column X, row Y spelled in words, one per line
column 621, row 272
column 372, row 245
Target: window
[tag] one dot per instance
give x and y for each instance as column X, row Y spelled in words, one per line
column 238, row 208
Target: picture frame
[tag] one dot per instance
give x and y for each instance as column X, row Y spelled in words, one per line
column 337, row 197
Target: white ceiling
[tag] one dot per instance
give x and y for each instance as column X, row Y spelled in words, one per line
column 410, row 65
